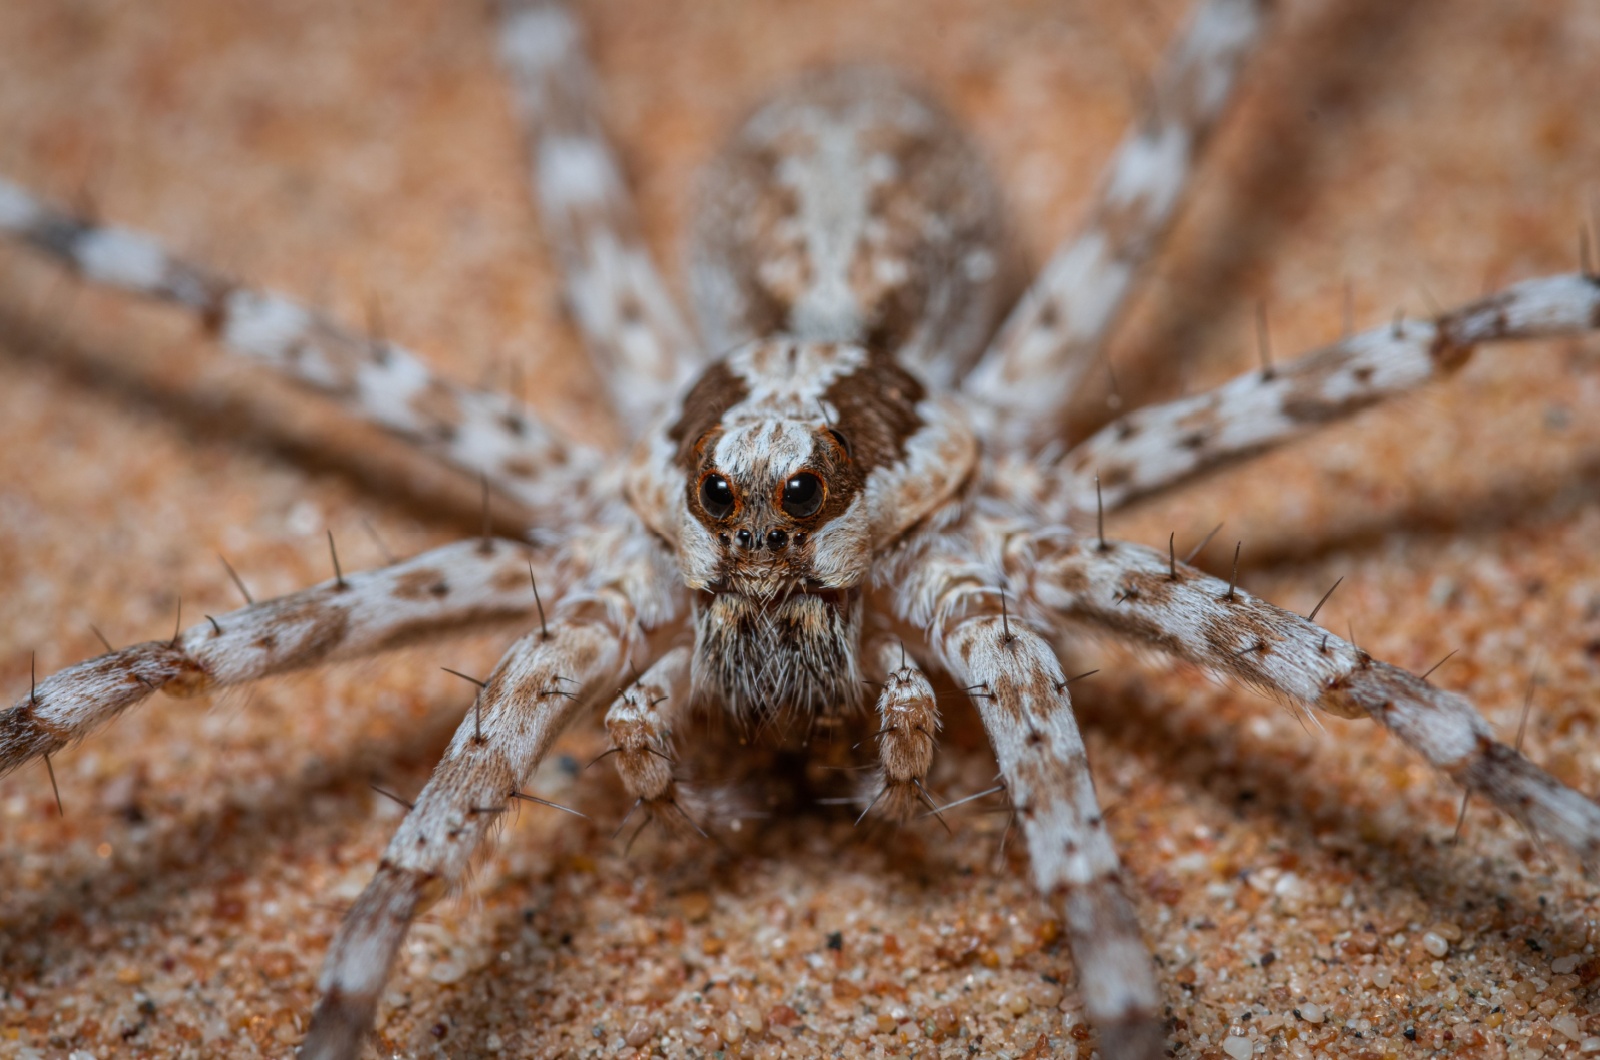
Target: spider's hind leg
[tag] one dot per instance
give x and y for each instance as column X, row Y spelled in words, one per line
column 485, row 434
column 1056, row 333
column 1161, row 446
column 627, row 316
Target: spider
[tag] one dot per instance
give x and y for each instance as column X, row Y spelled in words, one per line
column 988, row 616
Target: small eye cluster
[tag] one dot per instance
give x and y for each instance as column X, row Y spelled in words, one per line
column 801, row 498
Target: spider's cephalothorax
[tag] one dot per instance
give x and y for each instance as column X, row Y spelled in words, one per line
column 850, row 245
column 817, row 485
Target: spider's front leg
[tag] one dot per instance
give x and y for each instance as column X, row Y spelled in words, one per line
column 538, row 686
column 455, row 588
column 1016, row 681
column 1149, row 597
column 1021, row 694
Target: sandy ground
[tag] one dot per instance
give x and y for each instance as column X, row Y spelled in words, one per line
column 1297, row 882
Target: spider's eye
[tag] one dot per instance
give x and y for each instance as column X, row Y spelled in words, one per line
column 844, row 443
column 802, row 495
column 716, row 496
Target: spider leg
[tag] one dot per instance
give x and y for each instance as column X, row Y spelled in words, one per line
column 949, row 585
column 1057, row 331
column 1017, row 683
column 455, row 588
column 908, row 716
column 536, row 689
column 482, row 433
column 1159, row 446
column 539, row 685
column 628, row 318
column 1147, row 596
column 640, row 722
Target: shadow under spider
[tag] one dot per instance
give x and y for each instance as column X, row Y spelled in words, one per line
column 1236, row 778
column 198, row 849
column 384, row 468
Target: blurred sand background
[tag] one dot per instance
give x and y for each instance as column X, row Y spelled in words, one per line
column 1418, row 152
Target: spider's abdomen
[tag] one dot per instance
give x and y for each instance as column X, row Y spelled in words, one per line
column 851, row 209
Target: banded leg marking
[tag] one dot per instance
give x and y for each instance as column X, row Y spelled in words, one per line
column 627, row 316
column 1159, row 446
column 456, row 588
column 478, row 432
column 1016, row 682
column 541, row 683
column 1143, row 595
column 1057, row 331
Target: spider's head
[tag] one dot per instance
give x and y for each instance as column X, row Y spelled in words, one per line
column 792, row 462
column 775, row 507
column 778, row 543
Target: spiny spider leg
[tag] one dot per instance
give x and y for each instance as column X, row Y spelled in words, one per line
column 1142, row 594
column 1055, row 334
column 540, row 684
column 627, row 316
column 908, row 724
column 640, row 722
column 1159, row 446
column 1017, row 683
column 482, row 433
column 451, row 589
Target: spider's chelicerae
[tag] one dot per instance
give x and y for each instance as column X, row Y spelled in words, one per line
column 855, row 515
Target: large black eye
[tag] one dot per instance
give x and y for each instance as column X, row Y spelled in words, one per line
column 716, row 496
column 802, row 495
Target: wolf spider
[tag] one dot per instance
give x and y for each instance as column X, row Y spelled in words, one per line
column 978, row 557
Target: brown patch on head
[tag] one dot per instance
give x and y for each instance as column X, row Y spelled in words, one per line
column 877, row 406
column 716, row 391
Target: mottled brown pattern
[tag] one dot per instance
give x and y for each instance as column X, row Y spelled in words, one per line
column 911, row 280
column 716, row 391
column 439, row 408
column 877, row 411
column 1420, row 121
column 320, row 625
column 421, row 582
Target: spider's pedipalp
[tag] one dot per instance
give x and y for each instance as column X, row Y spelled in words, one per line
column 537, row 688
column 627, row 316
column 1127, row 590
column 640, row 722
column 456, row 588
column 908, row 724
column 1036, row 363
column 1161, row 445
column 475, row 431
